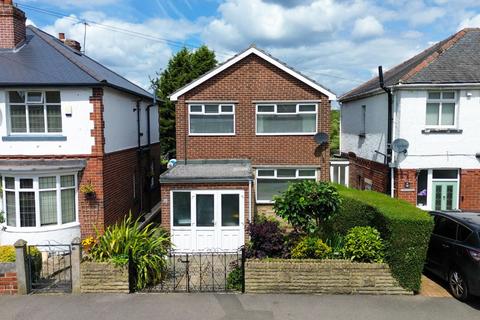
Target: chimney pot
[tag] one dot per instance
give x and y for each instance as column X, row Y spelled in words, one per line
column 7, row 2
column 61, row 36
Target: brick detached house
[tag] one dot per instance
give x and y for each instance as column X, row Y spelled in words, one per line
column 243, row 131
column 435, row 100
column 65, row 122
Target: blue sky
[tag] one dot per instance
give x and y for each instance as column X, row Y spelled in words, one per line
column 338, row 43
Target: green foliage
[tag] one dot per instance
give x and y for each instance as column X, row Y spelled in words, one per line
column 364, row 244
column 405, row 229
column 2, row 216
column 307, row 204
column 148, row 248
column 184, row 67
column 7, row 254
column 336, row 241
column 334, row 130
column 311, row 248
column 235, row 278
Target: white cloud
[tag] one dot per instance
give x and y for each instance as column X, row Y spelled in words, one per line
column 471, row 22
column 133, row 56
column 367, row 27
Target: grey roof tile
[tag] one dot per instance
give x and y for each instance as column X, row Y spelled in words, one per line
column 46, row 61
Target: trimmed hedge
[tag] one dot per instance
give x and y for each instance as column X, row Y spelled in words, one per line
column 405, row 229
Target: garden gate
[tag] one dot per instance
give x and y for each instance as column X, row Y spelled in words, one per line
column 51, row 269
column 206, row 271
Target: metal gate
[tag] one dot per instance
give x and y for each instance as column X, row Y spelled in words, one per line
column 212, row 271
column 49, row 268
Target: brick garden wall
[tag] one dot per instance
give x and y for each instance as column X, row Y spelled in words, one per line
column 319, row 276
column 253, row 79
column 360, row 168
column 8, row 278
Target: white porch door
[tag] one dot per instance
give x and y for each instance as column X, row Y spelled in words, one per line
column 216, row 221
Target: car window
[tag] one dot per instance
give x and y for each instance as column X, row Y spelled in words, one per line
column 463, row 233
column 445, row 227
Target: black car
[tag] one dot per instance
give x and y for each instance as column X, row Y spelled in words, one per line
column 454, row 252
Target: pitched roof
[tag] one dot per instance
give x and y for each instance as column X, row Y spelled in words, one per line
column 45, row 61
column 453, row 60
column 262, row 54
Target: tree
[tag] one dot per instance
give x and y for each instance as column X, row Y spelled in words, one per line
column 184, row 67
column 307, row 204
column 334, row 130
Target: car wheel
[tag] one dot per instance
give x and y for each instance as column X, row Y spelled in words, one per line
column 458, row 285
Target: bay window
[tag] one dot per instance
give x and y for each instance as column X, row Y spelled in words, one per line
column 271, row 182
column 441, row 107
column 39, row 201
column 286, row 118
column 34, row 112
column 212, row 119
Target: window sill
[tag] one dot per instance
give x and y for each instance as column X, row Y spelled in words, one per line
column 41, row 228
column 442, row 130
column 34, row 138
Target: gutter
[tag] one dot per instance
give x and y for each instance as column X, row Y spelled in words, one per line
column 389, row 157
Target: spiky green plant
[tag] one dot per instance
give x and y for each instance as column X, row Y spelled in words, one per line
column 148, row 246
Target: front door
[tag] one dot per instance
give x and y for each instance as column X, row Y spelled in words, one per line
column 205, row 220
column 445, row 195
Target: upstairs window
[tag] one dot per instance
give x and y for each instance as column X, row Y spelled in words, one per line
column 212, row 119
column 286, row 118
column 35, row 112
column 441, row 109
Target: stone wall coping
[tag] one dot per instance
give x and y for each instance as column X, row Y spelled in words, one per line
column 315, row 261
column 7, row 267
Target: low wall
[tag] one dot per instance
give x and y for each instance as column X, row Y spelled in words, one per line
column 8, row 278
column 319, row 276
column 103, row 277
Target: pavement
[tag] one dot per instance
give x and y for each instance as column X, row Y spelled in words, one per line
column 233, row 306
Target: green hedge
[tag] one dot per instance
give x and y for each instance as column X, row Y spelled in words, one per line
column 405, row 228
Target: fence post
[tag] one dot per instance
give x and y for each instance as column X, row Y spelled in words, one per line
column 243, row 268
column 76, row 260
column 23, row 276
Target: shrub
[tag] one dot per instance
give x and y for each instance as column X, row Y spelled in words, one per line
column 147, row 246
column 266, row 239
column 336, row 242
column 405, row 229
column 364, row 244
column 311, row 248
column 235, row 277
column 7, row 254
column 307, row 204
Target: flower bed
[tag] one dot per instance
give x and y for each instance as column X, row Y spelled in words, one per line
column 319, row 276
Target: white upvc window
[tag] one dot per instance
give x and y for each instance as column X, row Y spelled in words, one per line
column 40, row 201
column 286, row 119
column 34, row 112
column 211, row 119
column 273, row 181
column 441, row 109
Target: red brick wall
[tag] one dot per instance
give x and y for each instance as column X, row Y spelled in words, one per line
column 360, row 168
column 12, row 26
column 402, row 191
column 165, row 195
column 253, row 79
column 470, row 190
column 8, row 283
column 119, row 168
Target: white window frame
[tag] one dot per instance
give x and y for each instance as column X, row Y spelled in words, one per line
column 220, row 112
column 26, row 104
column 275, row 176
column 441, row 101
column 37, row 190
column 275, row 111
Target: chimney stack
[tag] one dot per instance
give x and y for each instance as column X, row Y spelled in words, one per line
column 61, row 36
column 12, row 25
column 75, row 45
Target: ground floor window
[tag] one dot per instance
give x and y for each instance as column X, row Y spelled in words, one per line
column 438, row 189
column 339, row 172
column 39, row 201
column 271, row 182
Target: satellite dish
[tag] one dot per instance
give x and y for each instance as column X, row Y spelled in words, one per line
column 400, row 145
column 321, row 138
